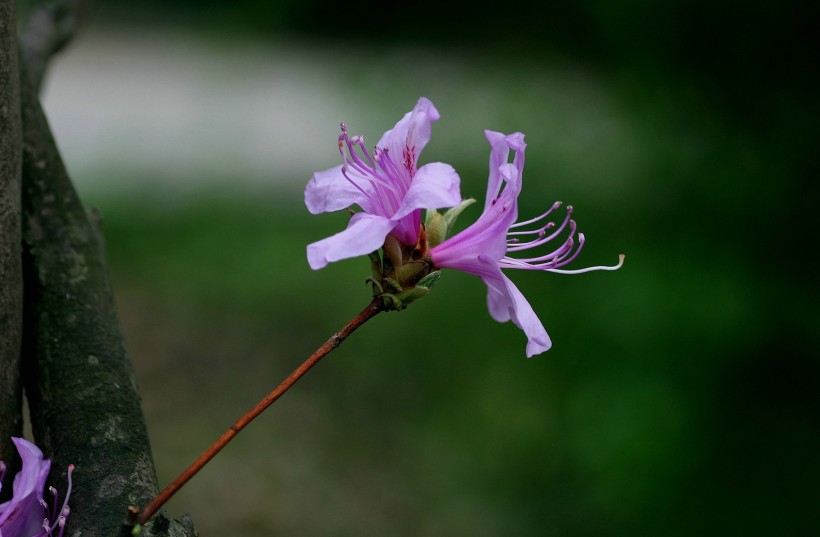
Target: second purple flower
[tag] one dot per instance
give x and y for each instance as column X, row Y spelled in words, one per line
column 27, row 513
column 497, row 241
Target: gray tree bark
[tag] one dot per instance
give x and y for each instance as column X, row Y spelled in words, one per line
column 11, row 283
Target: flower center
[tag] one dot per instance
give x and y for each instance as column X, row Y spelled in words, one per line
column 382, row 181
column 375, row 175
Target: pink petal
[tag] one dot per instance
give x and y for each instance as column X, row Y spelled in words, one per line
column 499, row 154
column 35, row 470
column 503, row 294
column 485, row 237
column 411, row 132
column 330, row 191
column 23, row 514
column 497, row 304
column 435, row 185
column 364, row 234
column 500, row 145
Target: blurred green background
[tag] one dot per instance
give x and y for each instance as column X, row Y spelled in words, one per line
column 679, row 397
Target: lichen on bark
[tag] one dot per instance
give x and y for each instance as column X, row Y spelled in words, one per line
column 11, row 305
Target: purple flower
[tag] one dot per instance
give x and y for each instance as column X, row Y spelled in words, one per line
column 489, row 244
column 27, row 514
column 387, row 185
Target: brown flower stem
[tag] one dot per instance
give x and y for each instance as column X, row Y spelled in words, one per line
column 335, row 340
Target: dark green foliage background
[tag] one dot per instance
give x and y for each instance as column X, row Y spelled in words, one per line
column 679, row 396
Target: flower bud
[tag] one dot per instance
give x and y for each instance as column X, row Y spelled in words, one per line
column 436, row 228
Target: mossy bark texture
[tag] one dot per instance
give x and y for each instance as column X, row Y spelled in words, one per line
column 11, row 284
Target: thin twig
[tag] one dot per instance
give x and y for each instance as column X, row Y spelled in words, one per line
column 366, row 314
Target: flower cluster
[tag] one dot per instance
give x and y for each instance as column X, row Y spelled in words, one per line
column 27, row 513
column 391, row 194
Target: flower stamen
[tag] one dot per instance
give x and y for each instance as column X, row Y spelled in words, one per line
column 621, row 258
column 388, row 184
column 59, row 517
column 553, row 261
column 537, row 218
column 543, row 240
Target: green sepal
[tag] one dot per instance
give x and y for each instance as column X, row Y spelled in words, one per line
column 377, row 287
column 409, row 295
column 428, row 216
column 430, row 280
column 394, row 284
column 392, row 253
column 436, row 229
column 404, row 298
column 451, row 215
column 390, row 301
column 376, row 265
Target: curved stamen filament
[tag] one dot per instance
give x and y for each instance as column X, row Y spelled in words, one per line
column 537, row 218
column 566, row 253
column 385, row 194
column 386, row 163
column 65, row 509
column 551, row 259
column 370, row 173
column 372, row 177
column 54, row 498
column 621, row 258
column 568, row 243
column 540, row 231
column 55, row 518
column 359, row 188
column 351, row 148
column 570, row 255
column 544, row 240
column 353, row 143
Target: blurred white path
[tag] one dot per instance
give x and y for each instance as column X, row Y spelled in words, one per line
column 136, row 109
